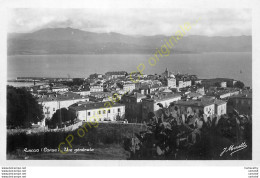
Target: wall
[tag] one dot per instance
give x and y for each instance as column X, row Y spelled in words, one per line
column 221, row 109
column 50, row 107
column 84, row 114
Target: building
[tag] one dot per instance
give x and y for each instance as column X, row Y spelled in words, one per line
column 53, row 102
column 115, row 74
column 171, row 82
column 222, row 94
column 82, row 92
column 220, row 107
column 133, row 106
column 208, row 107
column 151, row 104
column 126, row 87
column 60, row 89
column 96, row 88
column 183, row 83
column 100, row 96
column 242, row 103
column 196, row 82
column 96, row 76
column 167, row 74
column 221, row 82
column 90, row 112
column 194, row 95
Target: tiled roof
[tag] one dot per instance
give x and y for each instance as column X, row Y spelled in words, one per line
column 194, row 103
column 90, row 106
column 60, row 97
column 249, row 95
column 164, row 96
column 136, row 95
column 219, row 102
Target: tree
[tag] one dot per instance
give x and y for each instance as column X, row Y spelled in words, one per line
column 74, row 82
column 22, row 108
column 239, row 84
column 60, row 116
column 78, row 81
column 217, row 84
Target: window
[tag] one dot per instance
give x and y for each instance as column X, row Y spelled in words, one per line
column 88, row 113
column 53, row 109
column 99, row 112
column 108, row 111
column 118, row 109
column 104, row 111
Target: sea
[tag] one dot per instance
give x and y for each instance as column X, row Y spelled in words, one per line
column 235, row 65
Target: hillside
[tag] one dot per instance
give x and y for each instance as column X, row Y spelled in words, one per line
column 74, row 41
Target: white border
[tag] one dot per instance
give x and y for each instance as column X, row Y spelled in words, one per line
column 254, row 5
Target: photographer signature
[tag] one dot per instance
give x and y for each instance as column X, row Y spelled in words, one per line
column 233, row 149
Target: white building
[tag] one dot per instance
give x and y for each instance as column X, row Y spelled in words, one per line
column 82, row 92
column 220, row 107
column 96, row 88
column 103, row 111
column 151, row 104
column 207, row 105
column 128, row 87
column 51, row 103
column 60, row 89
column 171, row 82
column 183, row 84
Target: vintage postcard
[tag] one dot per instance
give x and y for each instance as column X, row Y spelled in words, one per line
column 129, row 84
column 133, row 83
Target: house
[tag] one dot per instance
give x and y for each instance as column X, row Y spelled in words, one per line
column 220, row 107
column 222, row 82
column 53, row 102
column 115, row 74
column 151, row 104
column 82, row 92
column 96, row 76
column 208, row 107
column 126, row 87
column 183, row 83
column 196, row 82
column 96, row 88
column 60, row 89
column 102, row 111
column 222, row 94
column 171, row 82
column 242, row 103
column 100, row 96
column 194, row 95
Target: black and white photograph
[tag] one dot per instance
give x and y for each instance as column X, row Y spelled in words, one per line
column 129, row 84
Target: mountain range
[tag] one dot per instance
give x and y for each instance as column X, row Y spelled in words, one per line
column 75, row 41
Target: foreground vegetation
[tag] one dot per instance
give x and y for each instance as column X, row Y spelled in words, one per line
column 107, row 140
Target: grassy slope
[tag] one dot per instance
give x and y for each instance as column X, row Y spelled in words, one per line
column 106, row 140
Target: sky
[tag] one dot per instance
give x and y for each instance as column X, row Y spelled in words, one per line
column 160, row 21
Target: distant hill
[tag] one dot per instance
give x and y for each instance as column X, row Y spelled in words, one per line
column 74, row 41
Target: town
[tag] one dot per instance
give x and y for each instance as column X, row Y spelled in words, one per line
column 167, row 115
column 135, row 102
